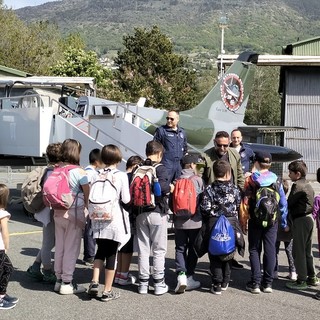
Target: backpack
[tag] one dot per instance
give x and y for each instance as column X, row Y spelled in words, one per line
column 31, row 190
column 184, row 198
column 222, row 238
column 141, row 186
column 103, row 197
column 56, row 189
column 267, row 205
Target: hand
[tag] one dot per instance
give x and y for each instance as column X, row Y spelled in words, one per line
column 171, row 187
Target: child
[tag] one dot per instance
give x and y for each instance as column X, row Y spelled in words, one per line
column 45, row 216
column 186, row 231
column 151, row 227
column 69, row 224
column 259, row 234
column 123, row 277
column 286, row 237
column 316, row 217
column 89, row 244
column 300, row 204
column 6, row 268
column 222, row 197
column 113, row 234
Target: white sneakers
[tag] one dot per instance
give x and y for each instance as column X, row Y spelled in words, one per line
column 192, row 284
column 71, row 288
column 160, row 288
column 182, row 283
column 293, row 276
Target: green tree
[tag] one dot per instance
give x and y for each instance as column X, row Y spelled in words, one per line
column 148, row 67
column 264, row 105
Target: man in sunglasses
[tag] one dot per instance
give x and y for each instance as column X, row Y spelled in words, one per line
column 174, row 140
column 221, row 151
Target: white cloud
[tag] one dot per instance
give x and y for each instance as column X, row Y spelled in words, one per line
column 16, row 4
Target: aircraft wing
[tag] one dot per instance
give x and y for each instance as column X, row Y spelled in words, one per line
column 279, row 154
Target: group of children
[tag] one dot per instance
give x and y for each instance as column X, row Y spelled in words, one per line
column 114, row 238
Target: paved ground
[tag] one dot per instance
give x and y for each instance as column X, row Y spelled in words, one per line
column 38, row 301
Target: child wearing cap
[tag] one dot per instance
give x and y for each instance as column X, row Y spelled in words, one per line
column 257, row 233
column 186, row 231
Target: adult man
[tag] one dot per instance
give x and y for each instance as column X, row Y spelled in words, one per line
column 221, row 151
column 246, row 154
column 174, row 140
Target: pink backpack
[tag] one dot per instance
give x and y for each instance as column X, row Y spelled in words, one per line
column 56, row 189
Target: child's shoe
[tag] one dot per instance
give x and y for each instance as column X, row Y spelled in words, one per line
column 49, row 277
column 216, row 288
column 224, row 286
column 293, row 276
column 267, row 288
column 253, row 287
column 182, row 283
column 110, row 295
column 160, row 288
column 130, row 279
column 312, row 281
column 297, row 285
column 37, row 275
column 71, row 288
column 5, row 305
column 192, row 284
column 143, row 287
column 10, row 299
column 93, row 289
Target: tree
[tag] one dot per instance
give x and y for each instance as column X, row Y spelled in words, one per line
column 148, row 67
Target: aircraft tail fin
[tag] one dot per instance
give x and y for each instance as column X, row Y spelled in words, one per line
column 228, row 99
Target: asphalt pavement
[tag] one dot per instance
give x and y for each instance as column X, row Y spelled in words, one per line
column 38, row 301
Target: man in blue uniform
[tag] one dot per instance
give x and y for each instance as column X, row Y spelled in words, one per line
column 174, row 140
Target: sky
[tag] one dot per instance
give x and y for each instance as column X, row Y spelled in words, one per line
column 16, row 4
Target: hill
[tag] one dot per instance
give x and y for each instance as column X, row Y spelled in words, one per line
column 193, row 25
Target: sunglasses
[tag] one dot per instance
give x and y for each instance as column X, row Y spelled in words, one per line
column 171, row 119
column 222, row 145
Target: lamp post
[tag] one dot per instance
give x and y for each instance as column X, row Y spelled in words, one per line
column 223, row 24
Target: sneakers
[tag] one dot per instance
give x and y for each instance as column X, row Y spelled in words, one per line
column 236, row 265
column 192, row 284
column 253, row 287
column 88, row 261
column 312, row 281
column 110, row 295
column 126, row 281
column 6, row 305
column 182, row 283
column 216, row 288
column 267, row 288
column 224, row 286
column 57, row 285
column 297, row 285
column 93, row 289
column 292, row 276
column 37, row 275
column 10, row 299
column 160, row 288
column 71, row 288
column 49, row 277
column 143, row 287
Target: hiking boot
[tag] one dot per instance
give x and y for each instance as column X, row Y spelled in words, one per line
column 192, row 284
column 110, row 295
column 5, row 305
column 312, row 281
column 160, row 288
column 93, row 289
column 297, row 285
column 224, row 286
column 10, row 299
column 236, row 265
column 57, row 285
column 143, row 287
column 182, row 283
column 71, row 288
column 216, row 288
column 37, row 275
column 317, row 295
column 253, row 287
column 267, row 288
column 49, row 277
column 127, row 281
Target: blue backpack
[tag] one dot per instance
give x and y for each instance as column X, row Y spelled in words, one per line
column 222, row 239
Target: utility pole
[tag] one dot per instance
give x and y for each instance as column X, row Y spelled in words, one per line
column 223, row 24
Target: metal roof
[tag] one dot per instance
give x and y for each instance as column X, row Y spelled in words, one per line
column 6, row 71
column 309, row 47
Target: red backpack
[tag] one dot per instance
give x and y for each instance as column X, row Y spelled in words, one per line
column 184, row 198
column 56, row 189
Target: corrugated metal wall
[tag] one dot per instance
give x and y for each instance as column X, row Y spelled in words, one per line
column 302, row 108
column 307, row 49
